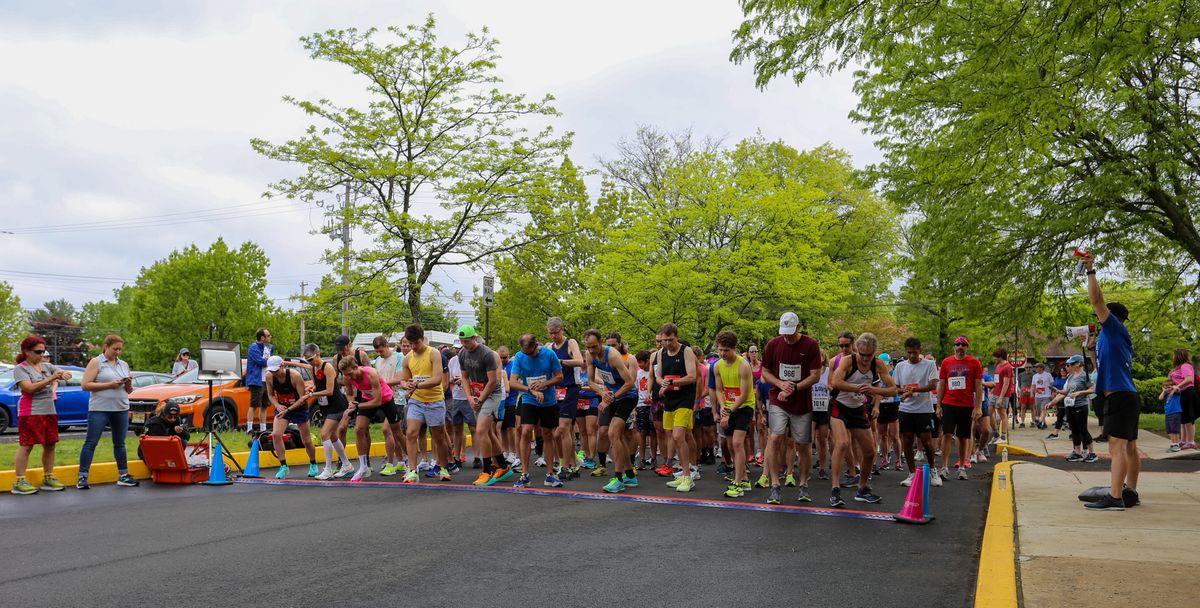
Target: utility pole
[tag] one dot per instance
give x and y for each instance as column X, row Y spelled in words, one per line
column 303, row 310
column 340, row 231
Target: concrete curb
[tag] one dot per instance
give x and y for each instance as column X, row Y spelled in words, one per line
column 1017, row 450
column 996, row 584
column 106, row 472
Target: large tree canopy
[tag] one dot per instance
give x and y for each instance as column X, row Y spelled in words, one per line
column 440, row 160
column 1013, row 131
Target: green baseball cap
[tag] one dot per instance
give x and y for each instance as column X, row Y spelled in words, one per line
column 467, row 331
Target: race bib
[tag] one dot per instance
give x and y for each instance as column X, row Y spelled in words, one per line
column 584, row 404
column 285, row 399
column 477, row 388
column 420, row 379
column 560, row 393
column 912, row 387
column 673, row 388
column 791, row 372
column 606, row 377
column 531, row 379
column 1069, row 401
column 820, row 404
column 957, row 383
column 731, row 395
column 323, row 401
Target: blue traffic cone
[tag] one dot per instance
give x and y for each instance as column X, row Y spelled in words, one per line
column 252, row 461
column 216, row 474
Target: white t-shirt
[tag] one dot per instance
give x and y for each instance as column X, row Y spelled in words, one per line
column 643, row 387
column 456, row 390
column 1042, row 384
column 386, row 367
column 920, row 374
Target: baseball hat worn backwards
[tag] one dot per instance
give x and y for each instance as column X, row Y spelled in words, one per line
column 788, row 323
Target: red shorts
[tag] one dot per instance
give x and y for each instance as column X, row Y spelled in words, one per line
column 38, row 429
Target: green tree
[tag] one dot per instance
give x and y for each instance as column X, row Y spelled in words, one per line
column 1014, row 130
column 374, row 305
column 441, row 161
column 60, row 308
column 14, row 324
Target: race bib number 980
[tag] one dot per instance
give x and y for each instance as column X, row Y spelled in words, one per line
column 957, row 383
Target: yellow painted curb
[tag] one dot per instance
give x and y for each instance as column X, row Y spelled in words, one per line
column 106, row 472
column 1016, row 450
column 996, row 585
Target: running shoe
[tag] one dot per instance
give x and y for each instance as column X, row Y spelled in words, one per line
column 630, row 482
column 803, row 495
column 580, row 456
column 599, row 472
column 82, row 484
column 522, row 481
column 734, row 491
column 477, row 463
column 516, row 462
column 24, row 488
column 822, row 474
column 962, row 474
column 958, row 463
column 908, row 481
column 540, row 462
column 552, row 482
column 423, row 465
column 974, row 458
column 128, row 481
column 775, row 495
column 500, row 475
column 1075, row 457
column 411, row 477
column 982, row 457
column 790, row 481
column 849, row 481
column 745, row 485
column 899, row 465
column 675, row 482
column 763, row 481
column 936, row 481
column 866, row 495
column 613, row 486
column 444, row 474
column 968, row 465
column 875, row 470
column 283, row 471
column 432, row 472
column 454, row 467
column 484, row 479
column 388, row 470
column 724, row 469
column 1174, row 447
column 574, row 472
column 685, row 485
column 1106, row 503
column 1051, row 436
column 361, row 474
column 695, row 474
column 835, row 498
column 325, row 474
column 313, row 470
column 1091, row 457
column 758, row 460
column 944, row 473
column 51, row 483
column 589, row 463
column 345, row 470
column 663, row 471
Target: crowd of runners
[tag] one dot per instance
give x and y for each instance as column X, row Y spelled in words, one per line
column 790, row 415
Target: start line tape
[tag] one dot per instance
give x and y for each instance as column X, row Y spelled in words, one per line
column 656, row 500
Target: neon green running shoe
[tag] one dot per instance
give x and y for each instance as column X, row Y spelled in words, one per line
column 23, row 487
column 51, row 484
column 790, row 481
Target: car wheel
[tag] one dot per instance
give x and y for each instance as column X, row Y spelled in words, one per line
column 62, row 428
column 5, row 421
column 221, row 417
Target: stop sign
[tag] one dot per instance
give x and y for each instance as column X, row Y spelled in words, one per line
column 1017, row 358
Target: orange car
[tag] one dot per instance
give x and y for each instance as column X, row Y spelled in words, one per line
column 228, row 410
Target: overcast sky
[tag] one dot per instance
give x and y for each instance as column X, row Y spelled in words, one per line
column 139, row 114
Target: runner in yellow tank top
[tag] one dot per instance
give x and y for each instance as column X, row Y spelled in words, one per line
column 421, row 375
column 735, row 400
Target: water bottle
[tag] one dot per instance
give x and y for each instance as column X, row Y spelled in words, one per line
column 1004, row 454
column 1003, row 479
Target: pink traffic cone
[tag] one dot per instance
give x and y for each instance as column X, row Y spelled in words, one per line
column 914, row 504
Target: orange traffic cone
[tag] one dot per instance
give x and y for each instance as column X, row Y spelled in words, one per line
column 915, row 509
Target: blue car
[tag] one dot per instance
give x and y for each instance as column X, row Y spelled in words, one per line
column 72, row 403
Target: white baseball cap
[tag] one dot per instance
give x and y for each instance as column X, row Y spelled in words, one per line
column 788, row 324
column 274, row 363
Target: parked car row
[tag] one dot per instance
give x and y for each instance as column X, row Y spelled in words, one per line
column 72, row 400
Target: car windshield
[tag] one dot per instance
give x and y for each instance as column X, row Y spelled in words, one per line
column 190, row 377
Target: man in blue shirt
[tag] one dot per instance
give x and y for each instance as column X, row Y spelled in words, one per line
column 256, row 373
column 535, row 372
column 1114, row 380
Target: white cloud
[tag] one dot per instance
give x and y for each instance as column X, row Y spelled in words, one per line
column 122, row 111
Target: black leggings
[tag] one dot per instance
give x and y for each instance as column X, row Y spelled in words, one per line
column 1060, row 417
column 1079, row 430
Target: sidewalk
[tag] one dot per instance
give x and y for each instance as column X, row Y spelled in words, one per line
column 1069, row 556
column 1033, row 440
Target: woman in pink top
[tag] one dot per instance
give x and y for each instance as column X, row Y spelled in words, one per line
column 378, row 397
column 1183, row 379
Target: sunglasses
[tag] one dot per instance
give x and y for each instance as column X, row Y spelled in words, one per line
column 39, row 351
column 845, row 344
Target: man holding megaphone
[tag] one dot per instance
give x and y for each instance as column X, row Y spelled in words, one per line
column 1080, row 332
column 1114, row 380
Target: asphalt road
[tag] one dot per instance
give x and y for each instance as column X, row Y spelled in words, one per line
column 324, row 546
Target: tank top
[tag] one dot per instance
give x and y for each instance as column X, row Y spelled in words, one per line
column 285, row 393
column 611, row 378
column 731, row 380
column 675, row 366
column 564, row 353
column 421, row 367
column 856, row 400
column 111, row 399
column 364, row 384
column 820, row 392
column 333, row 403
column 757, row 373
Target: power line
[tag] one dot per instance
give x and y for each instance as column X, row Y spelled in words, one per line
column 145, row 223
